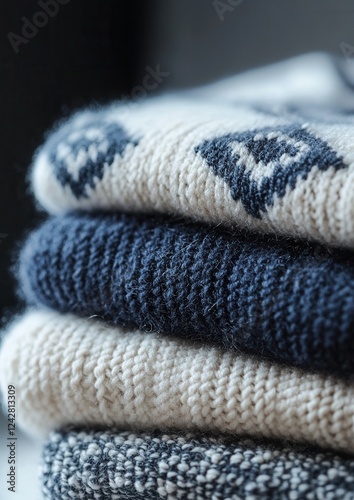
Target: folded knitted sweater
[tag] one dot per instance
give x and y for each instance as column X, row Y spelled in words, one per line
column 285, row 301
column 97, row 465
column 235, row 154
column 69, row 370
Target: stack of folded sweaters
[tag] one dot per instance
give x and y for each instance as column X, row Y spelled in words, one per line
column 190, row 331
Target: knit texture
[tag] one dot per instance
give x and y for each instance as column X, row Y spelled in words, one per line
column 215, row 156
column 99, row 465
column 285, row 301
column 68, row 370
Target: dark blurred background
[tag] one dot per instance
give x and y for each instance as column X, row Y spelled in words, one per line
column 96, row 50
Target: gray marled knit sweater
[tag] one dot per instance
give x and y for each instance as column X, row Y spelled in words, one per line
column 90, row 464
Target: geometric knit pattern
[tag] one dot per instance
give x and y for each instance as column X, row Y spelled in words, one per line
column 286, row 301
column 97, row 465
column 72, row 371
column 221, row 160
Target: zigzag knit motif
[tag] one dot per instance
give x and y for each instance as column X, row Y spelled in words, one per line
column 98, row 465
column 68, row 370
column 283, row 300
column 222, row 161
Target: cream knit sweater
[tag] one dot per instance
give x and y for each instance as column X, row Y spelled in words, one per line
column 69, row 370
column 269, row 150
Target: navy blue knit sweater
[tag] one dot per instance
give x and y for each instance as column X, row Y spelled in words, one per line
column 287, row 301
